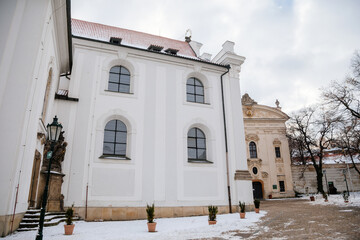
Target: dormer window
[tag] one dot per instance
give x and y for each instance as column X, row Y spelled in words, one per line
column 171, row 51
column 115, row 40
column 155, row 48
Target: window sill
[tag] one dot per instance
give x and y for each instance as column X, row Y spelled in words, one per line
column 109, row 91
column 114, row 157
column 199, row 161
column 207, row 105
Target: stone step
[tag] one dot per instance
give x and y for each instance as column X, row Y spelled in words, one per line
column 35, row 225
column 36, row 215
column 47, row 218
column 31, row 219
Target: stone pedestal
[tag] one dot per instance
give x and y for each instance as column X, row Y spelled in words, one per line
column 55, row 198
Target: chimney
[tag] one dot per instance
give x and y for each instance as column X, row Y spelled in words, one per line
column 206, row 56
column 196, row 47
column 228, row 46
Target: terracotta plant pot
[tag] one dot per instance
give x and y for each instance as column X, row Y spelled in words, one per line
column 257, row 210
column 151, row 227
column 326, row 200
column 69, row 229
column 212, row 222
column 346, row 201
column 312, row 198
column 270, row 196
column 242, row 215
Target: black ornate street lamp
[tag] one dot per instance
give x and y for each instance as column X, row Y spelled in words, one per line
column 53, row 131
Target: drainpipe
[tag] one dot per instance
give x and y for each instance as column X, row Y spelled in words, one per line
column 226, row 144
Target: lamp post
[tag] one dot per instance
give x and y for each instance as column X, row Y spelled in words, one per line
column 53, row 132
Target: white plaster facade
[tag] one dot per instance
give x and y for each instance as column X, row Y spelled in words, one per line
column 265, row 126
column 158, row 118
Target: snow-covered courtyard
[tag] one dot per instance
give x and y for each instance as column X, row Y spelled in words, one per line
column 167, row 228
column 354, row 200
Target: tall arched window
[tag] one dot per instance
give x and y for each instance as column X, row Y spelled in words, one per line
column 194, row 91
column 119, row 79
column 252, row 149
column 196, row 145
column 115, row 135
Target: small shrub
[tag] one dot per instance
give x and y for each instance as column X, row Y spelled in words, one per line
column 213, row 210
column 242, row 206
column 150, row 210
column 346, row 196
column 69, row 215
column 257, row 203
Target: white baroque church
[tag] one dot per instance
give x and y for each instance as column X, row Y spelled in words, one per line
column 146, row 119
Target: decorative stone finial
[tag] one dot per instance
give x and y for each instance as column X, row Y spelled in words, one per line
column 277, row 103
column 247, row 100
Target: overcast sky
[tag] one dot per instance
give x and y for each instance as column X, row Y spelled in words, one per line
column 292, row 48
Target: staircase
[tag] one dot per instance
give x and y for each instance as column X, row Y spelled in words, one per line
column 31, row 219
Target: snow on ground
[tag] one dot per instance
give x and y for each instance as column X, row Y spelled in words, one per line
column 354, row 199
column 167, row 228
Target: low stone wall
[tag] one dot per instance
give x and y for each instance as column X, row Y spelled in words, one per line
column 138, row 213
column 304, row 178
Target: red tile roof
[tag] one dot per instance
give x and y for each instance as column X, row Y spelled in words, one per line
column 142, row 40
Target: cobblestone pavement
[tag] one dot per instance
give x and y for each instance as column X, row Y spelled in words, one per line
column 297, row 219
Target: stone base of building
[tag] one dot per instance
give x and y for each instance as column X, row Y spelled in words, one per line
column 6, row 221
column 139, row 213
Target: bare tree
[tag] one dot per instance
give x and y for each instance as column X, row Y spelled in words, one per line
column 314, row 127
column 344, row 100
column 345, row 96
column 348, row 139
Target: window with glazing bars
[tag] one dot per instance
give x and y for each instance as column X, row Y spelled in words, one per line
column 252, row 149
column 194, row 91
column 196, row 145
column 115, row 135
column 119, row 79
column 277, row 152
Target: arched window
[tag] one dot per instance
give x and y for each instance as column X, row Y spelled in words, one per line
column 252, row 149
column 196, row 145
column 115, row 135
column 194, row 91
column 119, row 79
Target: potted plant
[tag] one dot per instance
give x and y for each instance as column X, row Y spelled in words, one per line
column 150, row 210
column 257, row 205
column 69, row 226
column 312, row 198
column 242, row 209
column 325, row 196
column 213, row 210
column 346, row 196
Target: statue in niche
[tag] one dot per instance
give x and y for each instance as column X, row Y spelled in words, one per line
column 58, row 154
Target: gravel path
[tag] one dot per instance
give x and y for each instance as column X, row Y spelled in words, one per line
column 297, row 219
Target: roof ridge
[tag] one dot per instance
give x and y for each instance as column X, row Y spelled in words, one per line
column 129, row 30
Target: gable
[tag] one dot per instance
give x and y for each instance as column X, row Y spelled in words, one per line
column 261, row 112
